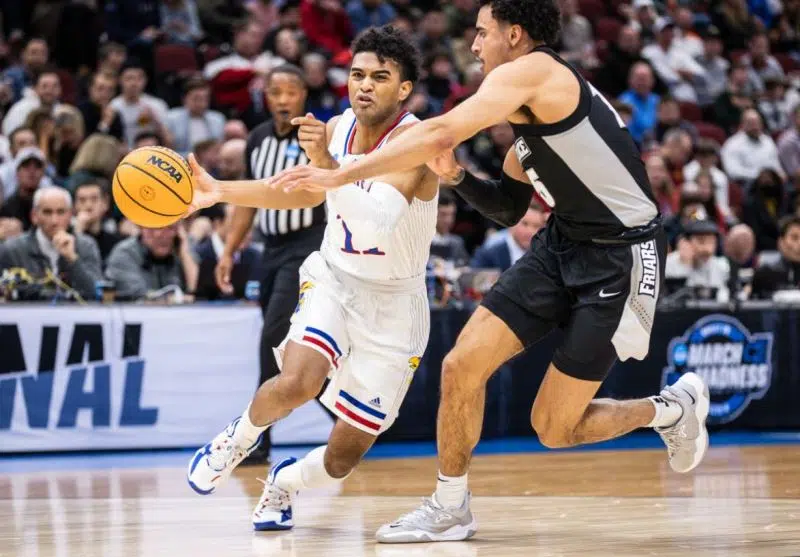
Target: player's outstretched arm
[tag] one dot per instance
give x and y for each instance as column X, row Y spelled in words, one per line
column 502, row 93
column 244, row 193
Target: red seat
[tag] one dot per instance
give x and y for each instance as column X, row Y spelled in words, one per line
column 69, row 87
column 592, row 9
column 690, row 111
column 786, row 61
column 711, row 131
column 607, row 29
column 175, row 58
column 210, row 53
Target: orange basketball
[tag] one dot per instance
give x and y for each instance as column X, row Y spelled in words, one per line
column 153, row 186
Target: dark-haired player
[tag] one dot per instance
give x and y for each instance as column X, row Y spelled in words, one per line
column 594, row 270
column 363, row 316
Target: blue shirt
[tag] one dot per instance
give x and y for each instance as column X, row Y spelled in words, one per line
column 645, row 113
column 361, row 17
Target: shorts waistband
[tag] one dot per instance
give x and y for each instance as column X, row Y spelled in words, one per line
column 411, row 285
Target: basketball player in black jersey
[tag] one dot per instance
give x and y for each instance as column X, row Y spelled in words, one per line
column 595, row 270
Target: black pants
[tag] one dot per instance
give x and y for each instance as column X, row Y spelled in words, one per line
column 279, row 292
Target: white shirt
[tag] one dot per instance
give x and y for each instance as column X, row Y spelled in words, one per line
column 714, row 273
column 720, row 179
column 217, row 244
column 8, row 175
column 667, row 65
column 18, row 113
column 129, row 113
column 48, row 249
column 744, row 158
column 514, row 249
column 262, row 64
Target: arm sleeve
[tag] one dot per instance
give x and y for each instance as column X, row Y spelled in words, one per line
column 379, row 209
column 504, row 201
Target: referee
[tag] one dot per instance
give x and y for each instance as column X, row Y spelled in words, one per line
column 290, row 235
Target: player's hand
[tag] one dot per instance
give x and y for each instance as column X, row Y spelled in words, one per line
column 313, row 137
column 446, row 167
column 306, row 178
column 222, row 273
column 64, row 242
column 206, row 188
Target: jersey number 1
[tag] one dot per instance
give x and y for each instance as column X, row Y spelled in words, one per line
column 348, row 243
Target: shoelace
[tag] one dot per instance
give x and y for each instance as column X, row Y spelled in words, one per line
column 421, row 513
column 220, row 457
column 672, row 437
column 271, row 495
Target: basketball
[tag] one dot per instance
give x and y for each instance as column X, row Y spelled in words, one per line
column 152, row 186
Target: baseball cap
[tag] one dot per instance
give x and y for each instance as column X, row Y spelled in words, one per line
column 29, row 153
column 700, row 223
column 663, row 23
column 711, row 32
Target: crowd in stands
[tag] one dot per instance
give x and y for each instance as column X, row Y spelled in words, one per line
column 708, row 89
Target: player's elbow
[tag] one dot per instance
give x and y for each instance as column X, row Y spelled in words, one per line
column 443, row 137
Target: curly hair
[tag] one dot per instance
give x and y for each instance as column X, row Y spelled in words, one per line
column 541, row 19
column 389, row 43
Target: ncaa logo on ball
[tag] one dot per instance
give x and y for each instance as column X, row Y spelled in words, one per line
column 147, row 193
column 735, row 363
column 166, row 167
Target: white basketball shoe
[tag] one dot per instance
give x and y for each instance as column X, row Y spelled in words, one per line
column 212, row 464
column 687, row 439
column 274, row 508
column 430, row 523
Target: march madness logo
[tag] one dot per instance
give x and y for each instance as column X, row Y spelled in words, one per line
column 305, row 287
column 735, row 363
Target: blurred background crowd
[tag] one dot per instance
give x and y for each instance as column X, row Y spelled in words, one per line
column 709, row 91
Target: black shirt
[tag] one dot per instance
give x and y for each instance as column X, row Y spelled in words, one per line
column 783, row 275
column 19, row 208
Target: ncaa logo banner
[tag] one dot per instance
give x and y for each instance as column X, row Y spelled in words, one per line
column 735, row 363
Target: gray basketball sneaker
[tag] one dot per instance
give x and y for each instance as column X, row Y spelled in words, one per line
column 430, row 523
column 687, row 440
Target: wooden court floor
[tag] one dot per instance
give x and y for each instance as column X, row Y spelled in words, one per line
column 741, row 501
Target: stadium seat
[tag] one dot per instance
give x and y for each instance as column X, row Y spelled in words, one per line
column 787, row 62
column 69, row 88
column 592, row 9
column 711, row 131
column 174, row 58
column 690, row 111
column 607, row 29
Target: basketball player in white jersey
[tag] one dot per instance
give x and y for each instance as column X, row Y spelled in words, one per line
column 363, row 315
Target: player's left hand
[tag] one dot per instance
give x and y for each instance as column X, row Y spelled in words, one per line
column 306, row 178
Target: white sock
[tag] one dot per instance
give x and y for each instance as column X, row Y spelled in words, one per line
column 667, row 413
column 307, row 473
column 246, row 432
column 451, row 491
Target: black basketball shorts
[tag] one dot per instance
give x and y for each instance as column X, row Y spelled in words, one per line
column 602, row 296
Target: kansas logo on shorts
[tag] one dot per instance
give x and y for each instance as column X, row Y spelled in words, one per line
column 413, row 363
column 304, row 287
column 735, row 363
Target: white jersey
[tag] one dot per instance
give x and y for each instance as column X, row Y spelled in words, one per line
column 402, row 255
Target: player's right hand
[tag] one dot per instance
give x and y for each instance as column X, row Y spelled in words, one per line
column 222, row 273
column 446, row 167
column 206, row 188
column 313, row 137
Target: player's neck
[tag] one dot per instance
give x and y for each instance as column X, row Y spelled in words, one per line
column 367, row 137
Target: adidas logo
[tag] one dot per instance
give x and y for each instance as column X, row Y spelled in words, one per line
column 376, row 402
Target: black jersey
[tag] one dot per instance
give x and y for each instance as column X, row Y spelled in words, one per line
column 268, row 154
column 587, row 168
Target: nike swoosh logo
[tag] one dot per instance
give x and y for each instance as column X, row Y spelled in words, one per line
column 690, row 395
column 604, row 294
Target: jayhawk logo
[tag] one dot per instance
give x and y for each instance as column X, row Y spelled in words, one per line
column 413, row 363
column 305, row 287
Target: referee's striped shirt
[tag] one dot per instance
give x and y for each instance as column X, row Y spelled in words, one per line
column 267, row 154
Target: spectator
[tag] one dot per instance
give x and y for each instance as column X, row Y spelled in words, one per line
column 789, row 147
column 132, row 22
column 111, row 59
column 677, row 151
column 675, row 68
column 180, row 22
column 704, row 185
column 34, row 58
column 461, row 15
column 46, row 95
column 667, row 195
column 669, row 117
column 67, row 137
column 92, row 203
column 207, row 153
column 97, row 157
column 622, row 55
column 735, row 23
column 288, row 46
column 369, row 13
column 49, row 246
column 245, row 259
column 433, row 31
column 488, row 149
column 715, row 66
column 501, row 255
column 159, row 258
column 231, row 160
column 30, row 164
column 322, row 101
column 194, row 122
column 749, row 151
column 138, row 110
column 773, row 105
column 473, row 77
column 728, row 107
column 439, row 83
column 147, row 138
column 694, row 264
column 576, row 36
column 688, row 206
column 707, row 158
column 641, row 98
column 219, row 18
column 288, row 20
column 686, row 39
column 783, row 274
column 326, row 25
column 765, row 204
column 761, row 65
column 446, row 245
column 19, row 139
column 234, row 129
column 98, row 115
column 9, row 228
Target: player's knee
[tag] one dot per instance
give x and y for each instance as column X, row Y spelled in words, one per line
column 551, row 432
column 339, row 462
column 457, row 373
column 298, row 387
